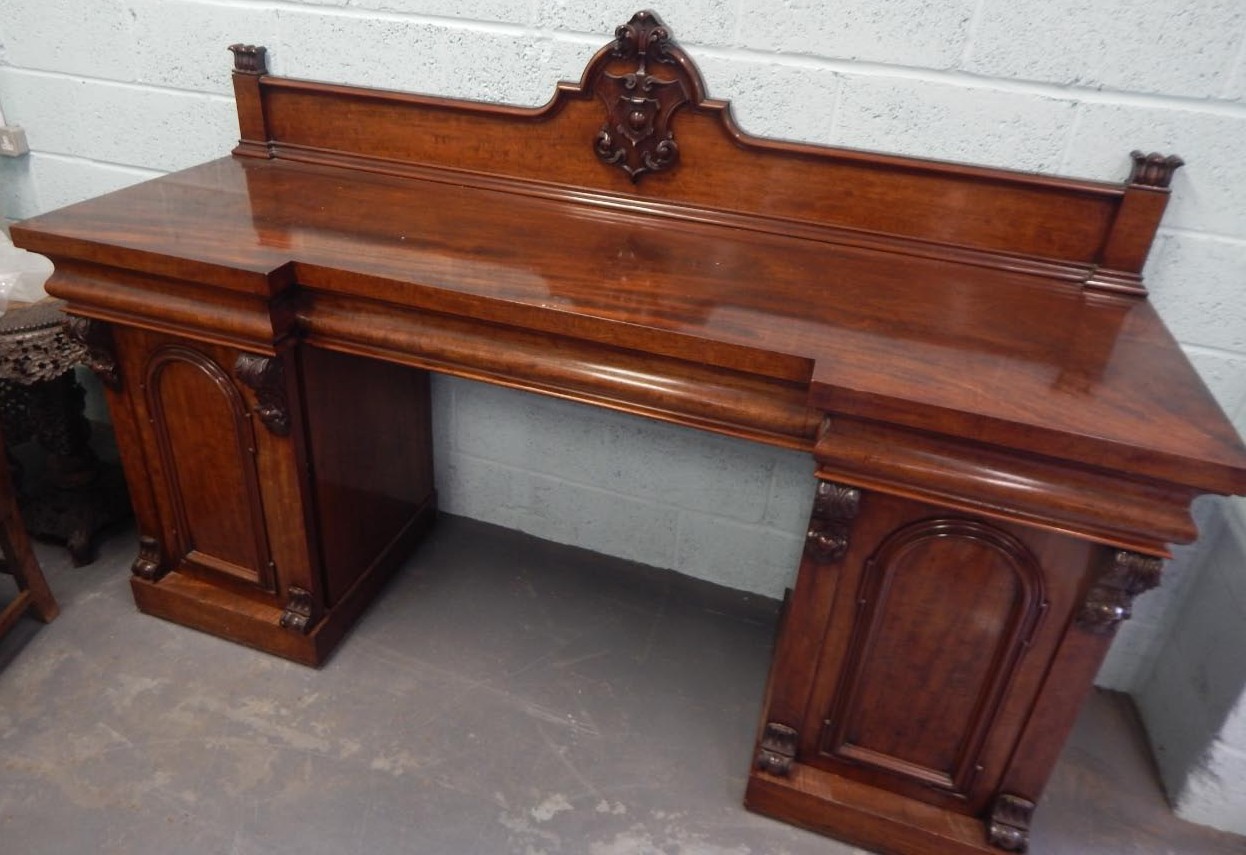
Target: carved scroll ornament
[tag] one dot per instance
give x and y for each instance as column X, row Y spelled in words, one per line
column 147, row 565
column 835, row 506
column 1009, row 825
column 1110, row 601
column 266, row 378
column 778, row 749
column 297, row 615
column 637, row 136
column 95, row 337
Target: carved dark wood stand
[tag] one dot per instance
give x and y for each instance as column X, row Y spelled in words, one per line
column 18, row 560
column 1005, row 436
column 40, row 399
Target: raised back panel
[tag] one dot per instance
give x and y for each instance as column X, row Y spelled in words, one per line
column 638, row 130
column 719, row 170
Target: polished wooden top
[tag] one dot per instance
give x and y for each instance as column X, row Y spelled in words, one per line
column 1019, row 359
column 652, row 245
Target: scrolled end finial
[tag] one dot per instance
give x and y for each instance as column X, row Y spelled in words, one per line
column 1154, row 169
column 250, row 59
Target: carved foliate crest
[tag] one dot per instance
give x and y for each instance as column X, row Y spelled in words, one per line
column 637, row 135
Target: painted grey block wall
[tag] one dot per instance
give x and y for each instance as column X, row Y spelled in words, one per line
column 116, row 91
column 1194, row 701
column 713, row 507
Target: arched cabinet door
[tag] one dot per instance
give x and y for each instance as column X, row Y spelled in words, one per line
column 947, row 608
column 205, row 441
column 267, row 514
column 937, row 635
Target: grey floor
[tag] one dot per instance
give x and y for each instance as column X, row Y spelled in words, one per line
column 504, row 695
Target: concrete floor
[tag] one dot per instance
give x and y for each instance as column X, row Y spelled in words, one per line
column 504, row 695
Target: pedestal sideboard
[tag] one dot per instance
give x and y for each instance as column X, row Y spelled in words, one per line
column 1005, row 435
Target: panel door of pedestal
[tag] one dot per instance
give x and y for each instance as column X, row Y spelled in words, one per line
column 213, row 429
column 940, row 627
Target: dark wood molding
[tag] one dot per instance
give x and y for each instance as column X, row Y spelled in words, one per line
column 1110, row 600
column 1008, row 827
column 835, row 506
column 266, row 378
column 777, row 749
column 1143, row 512
column 94, row 335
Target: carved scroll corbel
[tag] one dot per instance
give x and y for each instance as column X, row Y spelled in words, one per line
column 146, row 565
column 1009, row 825
column 97, row 340
column 1110, row 600
column 835, row 506
column 265, row 376
column 777, row 750
column 298, row 611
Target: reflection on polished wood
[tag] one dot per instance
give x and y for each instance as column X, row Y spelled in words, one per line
column 1003, row 430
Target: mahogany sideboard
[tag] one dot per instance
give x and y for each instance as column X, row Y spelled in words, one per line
column 1005, row 435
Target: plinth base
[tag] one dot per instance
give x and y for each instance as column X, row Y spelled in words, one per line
column 221, row 611
column 864, row 816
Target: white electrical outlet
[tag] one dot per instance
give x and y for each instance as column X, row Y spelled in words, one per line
column 13, row 141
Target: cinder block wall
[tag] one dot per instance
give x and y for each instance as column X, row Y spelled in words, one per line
column 113, row 92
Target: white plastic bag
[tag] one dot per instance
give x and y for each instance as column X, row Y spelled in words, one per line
column 22, row 274
column 8, row 281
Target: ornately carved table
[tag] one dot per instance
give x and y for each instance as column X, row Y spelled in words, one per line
column 1005, row 436
column 41, row 399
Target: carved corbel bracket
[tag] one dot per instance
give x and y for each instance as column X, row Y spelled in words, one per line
column 1110, row 600
column 636, row 135
column 835, row 506
column 1009, row 825
column 265, row 376
column 97, row 340
column 250, row 59
column 298, row 612
column 1154, row 169
column 777, row 750
column 147, row 565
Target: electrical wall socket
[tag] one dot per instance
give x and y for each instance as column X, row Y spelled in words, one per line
column 13, row 141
